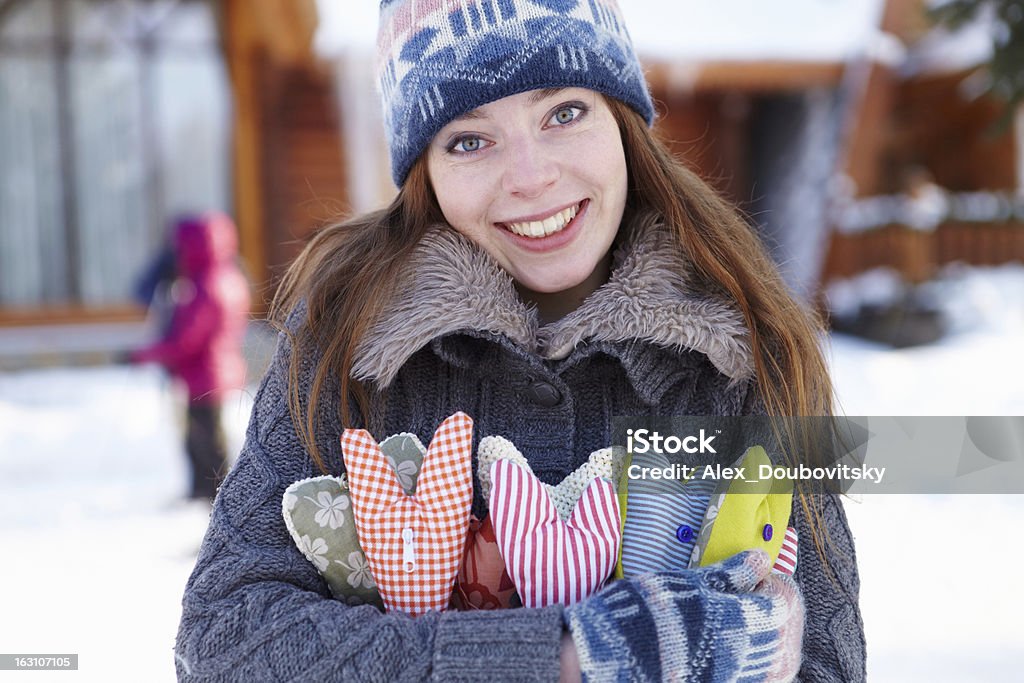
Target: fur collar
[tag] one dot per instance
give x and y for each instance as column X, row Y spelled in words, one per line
column 451, row 285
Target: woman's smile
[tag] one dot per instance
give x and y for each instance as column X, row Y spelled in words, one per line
column 544, row 225
column 551, row 233
column 538, row 181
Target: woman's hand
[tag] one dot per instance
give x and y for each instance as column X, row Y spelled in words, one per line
column 570, row 671
column 722, row 622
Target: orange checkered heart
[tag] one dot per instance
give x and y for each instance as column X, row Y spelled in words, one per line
column 414, row 543
column 552, row 561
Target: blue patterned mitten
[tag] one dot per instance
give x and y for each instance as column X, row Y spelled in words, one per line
column 724, row 622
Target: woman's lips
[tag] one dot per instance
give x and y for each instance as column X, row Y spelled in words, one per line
column 554, row 240
column 542, row 225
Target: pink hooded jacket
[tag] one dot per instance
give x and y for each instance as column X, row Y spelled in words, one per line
column 203, row 344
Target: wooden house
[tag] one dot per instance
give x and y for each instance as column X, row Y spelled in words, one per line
column 119, row 114
column 932, row 135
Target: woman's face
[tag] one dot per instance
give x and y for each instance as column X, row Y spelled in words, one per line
column 537, row 180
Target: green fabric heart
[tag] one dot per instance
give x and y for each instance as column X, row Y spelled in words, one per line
column 740, row 511
column 405, row 454
column 318, row 514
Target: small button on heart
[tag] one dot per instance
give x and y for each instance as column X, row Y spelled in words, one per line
column 684, row 533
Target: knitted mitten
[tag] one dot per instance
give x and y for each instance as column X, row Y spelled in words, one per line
column 723, row 622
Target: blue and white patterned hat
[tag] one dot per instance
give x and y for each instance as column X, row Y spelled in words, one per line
column 438, row 59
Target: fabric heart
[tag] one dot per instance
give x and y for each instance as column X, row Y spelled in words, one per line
column 413, row 543
column 318, row 515
column 482, row 581
column 662, row 519
column 786, row 563
column 606, row 463
column 551, row 560
column 745, row 513
column 405, row 454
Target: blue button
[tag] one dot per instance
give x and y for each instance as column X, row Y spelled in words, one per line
column 684, row 533
column 766, row 533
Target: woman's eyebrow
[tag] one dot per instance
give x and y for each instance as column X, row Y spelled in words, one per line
column 471, row 115
column 540, row 95
column 536, row 96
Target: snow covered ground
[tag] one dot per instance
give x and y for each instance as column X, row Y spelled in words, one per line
column 96, row 546
column 95, row 541
column 935, row 604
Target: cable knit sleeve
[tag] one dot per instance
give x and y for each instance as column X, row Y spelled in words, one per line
column 834, row 645
column 834, row 649
column 255, row 609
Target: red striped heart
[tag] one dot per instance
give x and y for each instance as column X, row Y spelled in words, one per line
column 552, row 561
column 786, row 562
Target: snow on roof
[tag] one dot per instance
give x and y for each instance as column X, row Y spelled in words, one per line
column 682, row 30
column 752, row 30
column 942, row 50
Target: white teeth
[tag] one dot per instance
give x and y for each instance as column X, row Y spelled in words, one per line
column 548, row 226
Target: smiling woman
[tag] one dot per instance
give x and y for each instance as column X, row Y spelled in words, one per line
column 547, row 265
column 538, row 181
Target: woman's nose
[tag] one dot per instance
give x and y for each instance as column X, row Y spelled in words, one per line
column 530, row 168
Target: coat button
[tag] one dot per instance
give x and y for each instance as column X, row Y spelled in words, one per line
column 684, row 533
column 766, row 533
column 543, row 394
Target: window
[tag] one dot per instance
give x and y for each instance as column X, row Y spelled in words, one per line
column 114, row 117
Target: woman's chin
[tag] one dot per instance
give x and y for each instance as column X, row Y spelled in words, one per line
column 547, row 286
column 575, row 278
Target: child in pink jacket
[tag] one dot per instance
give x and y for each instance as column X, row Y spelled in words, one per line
column 203, row 343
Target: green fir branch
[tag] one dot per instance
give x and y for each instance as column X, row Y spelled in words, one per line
column 1006, row 65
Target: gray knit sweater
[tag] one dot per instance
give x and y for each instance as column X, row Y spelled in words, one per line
column 646, row 343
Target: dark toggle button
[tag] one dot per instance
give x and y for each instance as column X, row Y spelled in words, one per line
column 684, row 533
column 766, row 533
column 543, row 394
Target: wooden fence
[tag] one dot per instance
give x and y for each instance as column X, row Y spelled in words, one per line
column 917, row 254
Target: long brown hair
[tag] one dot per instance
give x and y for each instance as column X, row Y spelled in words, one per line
column 790, row 369
column 345, row 276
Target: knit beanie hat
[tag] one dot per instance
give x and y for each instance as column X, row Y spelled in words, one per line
column 439, row 59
